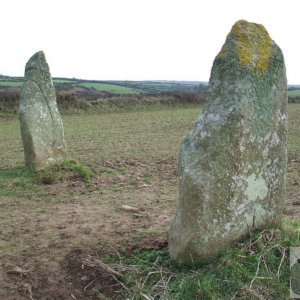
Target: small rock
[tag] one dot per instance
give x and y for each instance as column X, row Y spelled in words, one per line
column 84, row 278
column 129, row 208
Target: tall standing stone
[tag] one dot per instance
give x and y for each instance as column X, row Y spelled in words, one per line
column 232, row 165
column 41, row 124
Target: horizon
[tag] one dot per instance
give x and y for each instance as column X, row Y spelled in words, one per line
column 139, row 80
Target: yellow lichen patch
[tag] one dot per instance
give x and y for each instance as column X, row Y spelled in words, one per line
column 253, row 45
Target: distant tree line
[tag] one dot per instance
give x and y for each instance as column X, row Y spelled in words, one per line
column 9, row 103
column 201, row 88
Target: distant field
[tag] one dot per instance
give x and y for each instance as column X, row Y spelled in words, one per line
column 60, row 81
column 130, row 134
column 164, row 86
column 11, row 83
column 294, row 93
column 110, row 88
column 118, row 87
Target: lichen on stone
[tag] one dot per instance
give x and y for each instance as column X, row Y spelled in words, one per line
column 252, row 45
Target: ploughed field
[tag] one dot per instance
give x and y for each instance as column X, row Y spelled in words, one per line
column 45, row 230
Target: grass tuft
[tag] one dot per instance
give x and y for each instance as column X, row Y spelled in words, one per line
column 64, row 170
column 83, row 172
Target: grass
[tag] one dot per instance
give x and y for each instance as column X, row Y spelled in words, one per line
column 17, row 181
column 114, row 89
column 255, row 268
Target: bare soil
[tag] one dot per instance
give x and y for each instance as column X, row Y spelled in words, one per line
column 46, row 239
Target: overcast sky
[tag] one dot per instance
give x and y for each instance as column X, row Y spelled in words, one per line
column 137, row 39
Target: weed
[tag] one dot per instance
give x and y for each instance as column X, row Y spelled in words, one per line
column 147, row 178
column 49, row 176
column 113, row 189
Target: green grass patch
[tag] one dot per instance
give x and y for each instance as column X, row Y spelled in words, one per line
column 20, row 181
column 83, row 172
column 147, row 178
column 255, row 268
column 110, row 88
column 63, row 171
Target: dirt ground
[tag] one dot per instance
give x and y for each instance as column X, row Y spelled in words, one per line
column 45, row 239
column 49, row 242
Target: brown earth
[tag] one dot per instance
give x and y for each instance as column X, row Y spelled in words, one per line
column 49, row 237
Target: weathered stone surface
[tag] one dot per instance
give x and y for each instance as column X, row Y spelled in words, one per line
column 40, row 121
column 232, row 165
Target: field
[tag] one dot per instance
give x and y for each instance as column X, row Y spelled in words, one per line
column 51, row 236
column 127, row 87
column 114, row 89
column 294, row 93
column 11, row 83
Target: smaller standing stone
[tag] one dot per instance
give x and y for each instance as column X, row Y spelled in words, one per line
column 40, row 122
